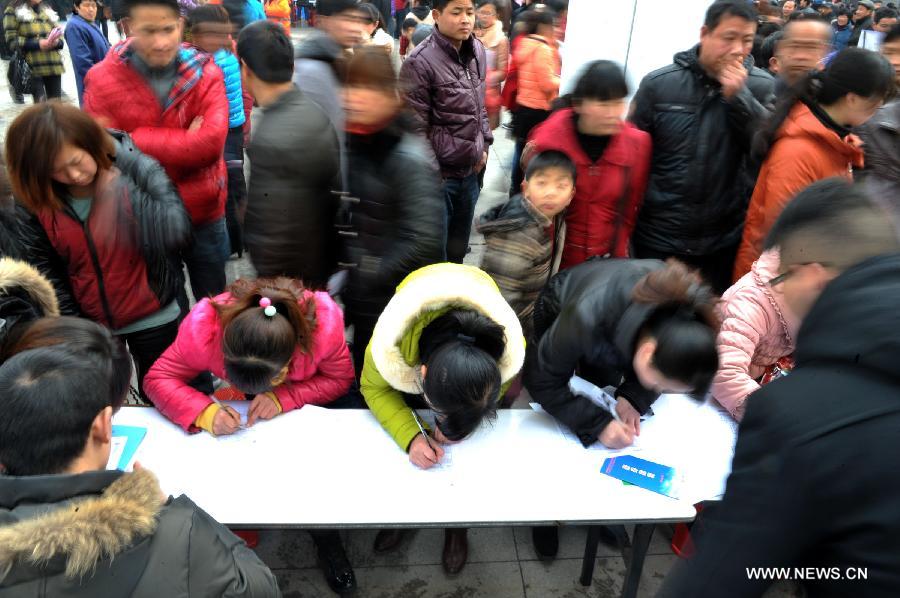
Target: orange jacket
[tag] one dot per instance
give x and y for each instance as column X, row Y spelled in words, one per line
column 805, row 151
column 539, row 64
column 279, row 11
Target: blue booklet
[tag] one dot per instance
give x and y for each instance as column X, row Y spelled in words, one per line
column 125, row 443
column 658, row 478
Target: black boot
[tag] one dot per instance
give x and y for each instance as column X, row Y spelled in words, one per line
column 546, row 541
column 333, row 561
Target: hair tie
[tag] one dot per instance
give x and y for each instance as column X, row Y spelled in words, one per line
column 268, row 309
column 469, row 340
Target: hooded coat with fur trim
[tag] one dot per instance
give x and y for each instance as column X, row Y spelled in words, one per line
column 25, row 295
column 392, row 358
column 111, row 534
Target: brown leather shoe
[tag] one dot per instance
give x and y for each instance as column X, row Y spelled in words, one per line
column 456, row 550
column 388, row 539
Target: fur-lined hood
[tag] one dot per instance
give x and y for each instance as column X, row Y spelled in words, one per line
column 20, row 275
column 82, row 532
column 432, row 288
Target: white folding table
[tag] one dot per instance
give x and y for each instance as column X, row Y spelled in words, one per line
column 330, row 468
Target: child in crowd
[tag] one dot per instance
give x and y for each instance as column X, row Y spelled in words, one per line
column 374, row 30
column 211, row 32
column 409, row 25
column 524, row 236
column 758, row 330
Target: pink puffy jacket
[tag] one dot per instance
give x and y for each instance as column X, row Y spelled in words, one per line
column 757, row 330
column 315, row 379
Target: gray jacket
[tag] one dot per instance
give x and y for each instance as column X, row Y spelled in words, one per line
column 289, row 226
column 109, row 534
column 314, row 74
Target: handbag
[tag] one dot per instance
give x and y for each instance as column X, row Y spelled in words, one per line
column 19, row 73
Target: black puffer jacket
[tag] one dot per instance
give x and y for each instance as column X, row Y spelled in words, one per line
column 394, row 219
column 23, row 238
column 290, row 208
column 585, row 323
column 814, row 479
column 700, row 177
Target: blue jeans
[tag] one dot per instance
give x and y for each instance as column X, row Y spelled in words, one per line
column 205, row 260
column 460, row 196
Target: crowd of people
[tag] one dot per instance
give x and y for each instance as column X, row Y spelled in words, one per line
column 732, row 230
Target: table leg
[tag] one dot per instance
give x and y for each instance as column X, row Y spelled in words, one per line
column 590, row 555
column 639, row 546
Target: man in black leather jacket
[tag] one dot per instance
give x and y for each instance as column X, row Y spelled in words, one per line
column 702, row 112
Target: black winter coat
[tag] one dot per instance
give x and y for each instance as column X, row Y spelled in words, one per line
column 294, row 165
column 586, row 323
column 23, row 238
column 701, row 178
column 816, row 471
column 394, row 219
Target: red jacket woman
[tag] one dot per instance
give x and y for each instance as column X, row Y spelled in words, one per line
column 608, row 191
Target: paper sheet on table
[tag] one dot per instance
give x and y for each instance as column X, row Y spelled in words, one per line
column 678, row 434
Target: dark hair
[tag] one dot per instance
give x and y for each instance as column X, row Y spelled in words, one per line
column 460, row 350
column 551, row 159
column 534, row 18
column 130, row 5
column 768, row 28
column 33, row 141
column 330, row 8
column 440, row 5
column 49, row 398
column 835, row 222
column 892, row 35
column 409, row 23
column 374, row 14
column 256, row 347
column 884, row 13
column 843, row 11
column 767, row 49
column 80, row 2
column 684, row 324
column 267, row 51
column 853, row 70
column 729, row 8
column 601, row 80
column 208, row 13
column 93, row 342
column 370, row 67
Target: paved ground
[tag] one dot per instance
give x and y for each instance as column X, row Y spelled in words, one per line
column 502, row 561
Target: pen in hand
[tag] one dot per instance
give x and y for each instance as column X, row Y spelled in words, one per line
column 228, row 411
column 425, row 434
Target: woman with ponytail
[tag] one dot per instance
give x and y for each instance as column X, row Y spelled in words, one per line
column 278, row 343
column 447, row 341
column 809, row 138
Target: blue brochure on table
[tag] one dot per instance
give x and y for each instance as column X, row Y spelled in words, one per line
column 661, row 479
column 125, row 443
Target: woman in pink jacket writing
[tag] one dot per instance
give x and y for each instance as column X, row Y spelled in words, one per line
column 271, row 339
column 758, row 329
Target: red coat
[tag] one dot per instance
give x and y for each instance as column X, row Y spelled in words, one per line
column 119, row 96
column 608, row 193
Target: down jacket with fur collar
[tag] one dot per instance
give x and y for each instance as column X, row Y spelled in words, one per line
column 111, row 534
